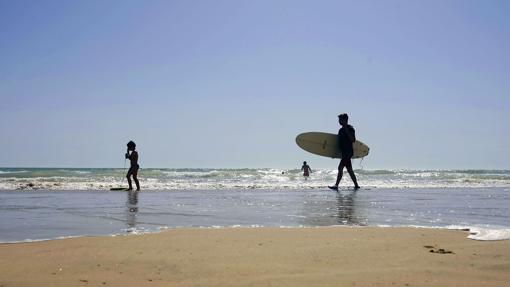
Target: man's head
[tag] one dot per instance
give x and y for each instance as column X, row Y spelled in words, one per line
column 343, row 119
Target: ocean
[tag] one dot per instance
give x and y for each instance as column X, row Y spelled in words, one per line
column 50, row 203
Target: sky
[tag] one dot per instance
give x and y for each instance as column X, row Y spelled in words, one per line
column 230, row 84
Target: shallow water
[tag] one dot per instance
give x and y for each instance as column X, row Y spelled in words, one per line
column 43, row 214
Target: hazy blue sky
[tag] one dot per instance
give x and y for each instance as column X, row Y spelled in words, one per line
column 231, row 83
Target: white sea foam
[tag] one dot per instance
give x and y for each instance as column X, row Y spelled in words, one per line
column 477, row 233
column 483, row 233
column 179, row 179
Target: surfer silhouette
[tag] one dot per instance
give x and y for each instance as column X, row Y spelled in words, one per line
column 306, row 170
column 346, row 137
column 133, row 170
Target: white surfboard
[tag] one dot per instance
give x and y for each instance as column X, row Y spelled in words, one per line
column 326, row 144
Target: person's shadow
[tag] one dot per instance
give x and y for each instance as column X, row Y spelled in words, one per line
column 131, row 210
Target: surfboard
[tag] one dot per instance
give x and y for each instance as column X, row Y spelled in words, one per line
column 119, row 188
column 326, row 144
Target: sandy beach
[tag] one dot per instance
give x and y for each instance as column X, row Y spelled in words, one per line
column 332, row 256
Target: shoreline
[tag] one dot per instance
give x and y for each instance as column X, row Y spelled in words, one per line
column 472, row 233
column 318, row 256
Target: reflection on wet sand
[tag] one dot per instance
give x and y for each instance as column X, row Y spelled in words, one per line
column 131, row 210
column 346, row 209
column 326, row 210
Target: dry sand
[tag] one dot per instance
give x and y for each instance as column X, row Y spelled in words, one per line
column 339, row 256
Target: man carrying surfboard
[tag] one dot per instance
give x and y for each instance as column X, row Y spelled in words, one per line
column 346, row 137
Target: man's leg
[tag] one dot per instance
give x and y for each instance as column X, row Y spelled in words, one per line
column 135, row 178
column 351, row 173
column 128, row 176
column 340, row 172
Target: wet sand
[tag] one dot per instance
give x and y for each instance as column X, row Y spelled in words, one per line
column 331, row 256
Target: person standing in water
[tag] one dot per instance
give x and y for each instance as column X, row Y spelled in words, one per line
column 133, row 170
column 306, row 170
column 346, row 137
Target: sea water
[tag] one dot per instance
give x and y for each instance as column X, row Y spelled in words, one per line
column 39, row 204
column 266, row 178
